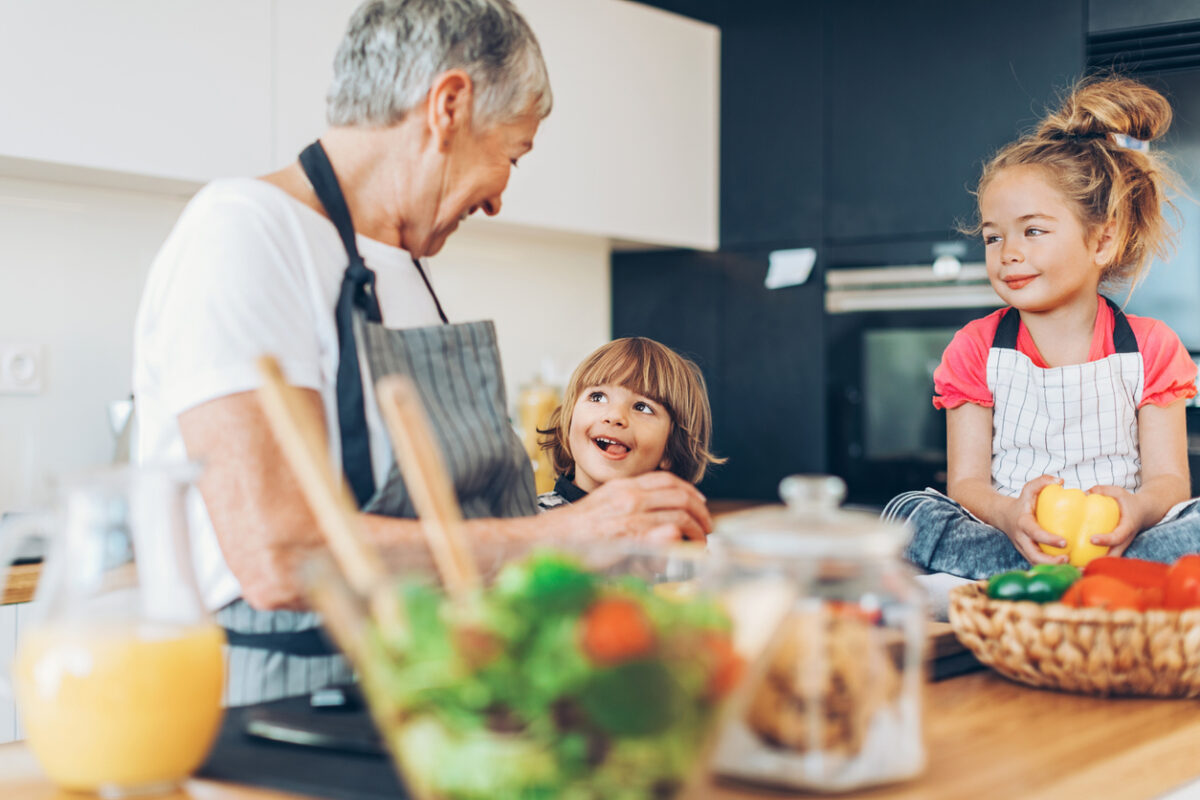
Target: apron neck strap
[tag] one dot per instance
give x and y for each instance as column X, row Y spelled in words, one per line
column 359, row 280
column 319, row 171
column 436, row 303
column 1124, row 340
column 357, row 291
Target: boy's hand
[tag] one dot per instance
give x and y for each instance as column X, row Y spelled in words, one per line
column 657, row 505
column 1127, row 526
column 1024, row 530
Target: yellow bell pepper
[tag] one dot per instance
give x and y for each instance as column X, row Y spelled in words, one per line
column 1076, row 516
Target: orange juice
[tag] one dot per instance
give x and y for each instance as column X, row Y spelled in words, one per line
column 124, row 706
column 536, row 403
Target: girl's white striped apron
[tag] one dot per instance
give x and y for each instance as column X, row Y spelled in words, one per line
column 1077, row 422
column 456, row 369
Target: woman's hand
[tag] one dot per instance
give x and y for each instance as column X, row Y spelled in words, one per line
column 1128, row 526
column 657, row 505
column 1022, row 526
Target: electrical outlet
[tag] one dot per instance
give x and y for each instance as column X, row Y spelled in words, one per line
column 20, row 369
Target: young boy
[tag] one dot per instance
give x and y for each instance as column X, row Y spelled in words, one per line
column 633, row 406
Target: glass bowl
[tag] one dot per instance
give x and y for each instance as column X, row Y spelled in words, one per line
column 576, row 673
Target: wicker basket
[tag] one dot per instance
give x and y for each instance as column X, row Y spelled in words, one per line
column 1087, row 650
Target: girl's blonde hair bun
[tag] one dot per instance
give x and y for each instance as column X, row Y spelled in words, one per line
column 1087, row 151
column 1098, row 107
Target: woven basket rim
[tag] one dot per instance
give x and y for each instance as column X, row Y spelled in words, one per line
column 975, row 595
column 1153, row 653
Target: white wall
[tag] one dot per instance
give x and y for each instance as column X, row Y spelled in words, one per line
column 549, row 294
column 72, row 262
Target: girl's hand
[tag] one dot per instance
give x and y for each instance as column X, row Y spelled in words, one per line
column 1024, row 530
column 1127, row 527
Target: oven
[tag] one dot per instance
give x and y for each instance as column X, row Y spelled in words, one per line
column 886, row 328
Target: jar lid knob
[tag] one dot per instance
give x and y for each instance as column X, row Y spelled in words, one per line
column 808, row 494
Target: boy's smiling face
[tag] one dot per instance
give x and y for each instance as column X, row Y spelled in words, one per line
column 616, row 433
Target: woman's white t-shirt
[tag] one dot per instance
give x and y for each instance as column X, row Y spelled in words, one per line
column 249, row 270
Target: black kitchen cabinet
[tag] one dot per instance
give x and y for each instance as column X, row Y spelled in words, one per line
column 921, row 92
column 761, row 351
column 1106, row 16
column 772, row 124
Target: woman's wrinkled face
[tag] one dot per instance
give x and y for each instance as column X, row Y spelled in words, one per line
column 616, row 433
column 478, row 165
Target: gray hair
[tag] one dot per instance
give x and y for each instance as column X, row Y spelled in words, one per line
column 394, row 49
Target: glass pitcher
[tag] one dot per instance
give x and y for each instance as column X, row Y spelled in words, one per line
column 118, row 679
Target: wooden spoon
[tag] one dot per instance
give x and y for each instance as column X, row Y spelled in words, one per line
column 300, row 432
column 424, row 471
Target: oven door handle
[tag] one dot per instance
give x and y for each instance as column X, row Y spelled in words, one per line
column 845, row 301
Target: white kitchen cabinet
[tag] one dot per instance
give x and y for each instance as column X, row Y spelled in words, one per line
column 307, row 33
column 198, row 89
column 630, row 150
column 178, row 89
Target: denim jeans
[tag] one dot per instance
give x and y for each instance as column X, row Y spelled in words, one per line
column 947, row 538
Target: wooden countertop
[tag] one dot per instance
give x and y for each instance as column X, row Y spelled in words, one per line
column 987, row 738
column 22, row 581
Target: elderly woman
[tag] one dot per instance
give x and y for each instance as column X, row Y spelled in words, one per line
column 432, row 104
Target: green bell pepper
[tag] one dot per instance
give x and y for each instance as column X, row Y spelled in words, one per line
column 1044, row 583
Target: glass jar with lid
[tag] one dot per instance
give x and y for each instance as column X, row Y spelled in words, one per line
column 836, row 703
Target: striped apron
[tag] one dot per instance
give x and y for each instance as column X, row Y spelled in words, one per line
column 1077, row 422
column 456, row 370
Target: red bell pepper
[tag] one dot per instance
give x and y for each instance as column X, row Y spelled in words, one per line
column 1136, row 572
column 1182, row 586
column 1102, row 591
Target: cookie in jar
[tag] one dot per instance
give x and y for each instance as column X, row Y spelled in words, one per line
column 835, row 703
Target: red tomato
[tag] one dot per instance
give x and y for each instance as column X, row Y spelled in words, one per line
column 1071, row 596
column 1136, row 572
column 1182, row 587
column 1102, row 591
column 616, row 630
column 727, row 664
column 1152, row 597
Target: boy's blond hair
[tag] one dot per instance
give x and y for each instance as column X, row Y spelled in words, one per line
column 652, row 370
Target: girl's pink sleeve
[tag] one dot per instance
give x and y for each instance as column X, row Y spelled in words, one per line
column 1169, row 369
column 962, row 375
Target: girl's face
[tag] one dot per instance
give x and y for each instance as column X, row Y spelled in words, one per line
column 1039, row 256
column 616, row 433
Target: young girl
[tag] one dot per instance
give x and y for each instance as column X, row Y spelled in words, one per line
column 1061, row 386
column 635, row 406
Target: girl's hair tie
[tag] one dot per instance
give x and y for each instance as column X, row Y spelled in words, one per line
column 1130, row 143
column 1070, row 136
column 1119, row 139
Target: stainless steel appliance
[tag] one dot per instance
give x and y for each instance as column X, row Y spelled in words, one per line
column 886, row 328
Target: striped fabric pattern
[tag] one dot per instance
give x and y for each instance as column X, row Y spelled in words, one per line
column 257, row 676
column 456, row 369
column 1077, row 422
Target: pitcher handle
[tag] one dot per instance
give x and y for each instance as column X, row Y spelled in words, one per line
column 13, row 532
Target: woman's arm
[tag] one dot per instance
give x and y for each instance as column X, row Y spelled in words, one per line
column 1162, row 444
column 265, row 527
column 969, row 482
